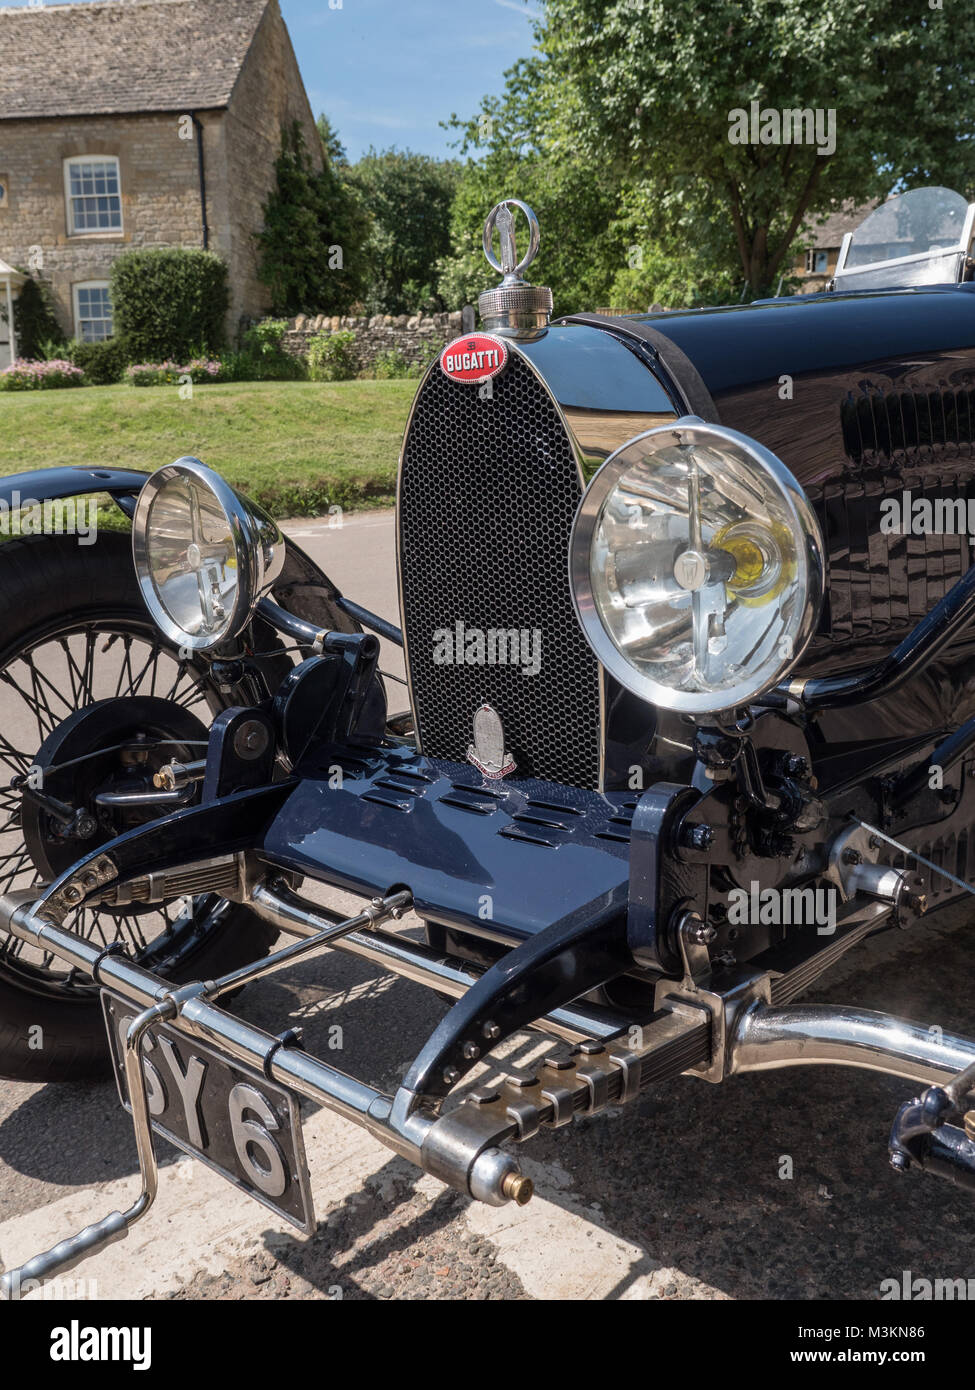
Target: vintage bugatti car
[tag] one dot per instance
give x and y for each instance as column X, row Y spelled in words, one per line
column 686, row 609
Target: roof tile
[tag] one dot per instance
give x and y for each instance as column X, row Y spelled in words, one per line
column 123, row 56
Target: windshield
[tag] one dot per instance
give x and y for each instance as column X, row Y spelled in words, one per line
column 918, row 238
column 912, row 224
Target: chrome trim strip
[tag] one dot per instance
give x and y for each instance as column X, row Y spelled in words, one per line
column 434, row 367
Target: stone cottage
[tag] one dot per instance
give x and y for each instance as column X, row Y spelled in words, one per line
column 815, row 266
column 141, row 123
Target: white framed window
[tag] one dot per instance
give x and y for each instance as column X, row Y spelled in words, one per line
column 93, row 195
column 817, row 262
column 92, row 311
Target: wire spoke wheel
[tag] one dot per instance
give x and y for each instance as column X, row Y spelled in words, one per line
column 48, row 680
column 92, row 691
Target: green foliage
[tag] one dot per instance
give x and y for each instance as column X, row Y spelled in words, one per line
column 333, row 151
column 262, row 356
column 264, row 339
column 169, row 303
column 49, row 348
column 104, row 363
column 681, row 277
column 34, row 319
column 409, row 196
column 236, row 366
column 392, row 366
column 313, row 246
column 513, row 152
column 332, row 357
column 646, row 89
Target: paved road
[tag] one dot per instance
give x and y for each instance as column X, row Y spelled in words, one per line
column 689, row 1194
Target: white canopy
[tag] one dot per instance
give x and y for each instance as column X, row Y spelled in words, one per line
column 10, row 280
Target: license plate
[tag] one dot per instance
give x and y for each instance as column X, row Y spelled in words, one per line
column 231, row 1118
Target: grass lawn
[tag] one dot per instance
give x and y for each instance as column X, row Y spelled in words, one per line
column 296, row 447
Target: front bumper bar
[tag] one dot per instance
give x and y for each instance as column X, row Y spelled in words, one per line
column 613, row 1060
column 466, row 1156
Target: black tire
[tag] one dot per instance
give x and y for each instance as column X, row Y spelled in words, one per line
column 49, row 1034
column 71, row 1044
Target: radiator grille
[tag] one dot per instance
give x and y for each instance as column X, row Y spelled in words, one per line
column 488, row 492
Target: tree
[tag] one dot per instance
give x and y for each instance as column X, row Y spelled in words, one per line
column 409, row 196
column 314, row 242
column 333, row 151
column 35, row 324
column 651, row 88
column 510, row 154
column 597, row 249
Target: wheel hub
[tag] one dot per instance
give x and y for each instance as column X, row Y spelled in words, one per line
column 80, row 794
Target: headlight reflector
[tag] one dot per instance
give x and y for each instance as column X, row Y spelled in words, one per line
column 203, row 554
column 696, row 566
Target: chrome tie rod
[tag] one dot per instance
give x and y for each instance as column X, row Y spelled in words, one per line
column 190, row 1008
column 475, row 1167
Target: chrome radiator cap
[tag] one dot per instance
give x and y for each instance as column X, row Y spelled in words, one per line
column 515, row 308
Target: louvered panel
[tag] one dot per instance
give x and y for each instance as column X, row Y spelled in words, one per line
column 894, row 441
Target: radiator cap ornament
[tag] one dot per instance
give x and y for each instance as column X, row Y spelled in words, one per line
column 487, row 752
column 516, row 308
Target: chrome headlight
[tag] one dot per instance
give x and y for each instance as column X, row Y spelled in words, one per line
column 697, row 567
column 203, row 554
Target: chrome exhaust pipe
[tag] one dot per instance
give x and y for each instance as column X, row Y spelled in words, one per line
column 765, row 1038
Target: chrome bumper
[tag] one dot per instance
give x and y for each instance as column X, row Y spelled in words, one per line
column 747, row 1025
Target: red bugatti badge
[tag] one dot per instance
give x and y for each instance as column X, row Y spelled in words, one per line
column 474, row 358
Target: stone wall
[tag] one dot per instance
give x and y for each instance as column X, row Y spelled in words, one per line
column 410, row 335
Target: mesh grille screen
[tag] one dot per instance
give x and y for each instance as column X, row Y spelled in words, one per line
column 488, row 494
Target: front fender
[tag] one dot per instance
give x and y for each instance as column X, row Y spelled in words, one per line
column 47, row 484
column 302, row 588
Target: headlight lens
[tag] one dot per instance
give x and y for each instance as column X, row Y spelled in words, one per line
column 696, row 565
column 203, row 554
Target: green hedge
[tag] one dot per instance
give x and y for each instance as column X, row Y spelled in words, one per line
column 333, row 357
column 169, row 303
column 104, row 363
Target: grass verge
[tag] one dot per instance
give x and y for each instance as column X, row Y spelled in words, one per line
column 295, row 447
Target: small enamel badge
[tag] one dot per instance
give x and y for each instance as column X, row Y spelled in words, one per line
column 487, row 752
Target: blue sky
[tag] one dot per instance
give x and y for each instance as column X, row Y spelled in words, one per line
column 386, row 72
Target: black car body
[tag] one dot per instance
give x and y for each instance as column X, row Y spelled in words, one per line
column 637, row 878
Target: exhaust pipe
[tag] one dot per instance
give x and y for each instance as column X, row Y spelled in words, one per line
column 766, row 1038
